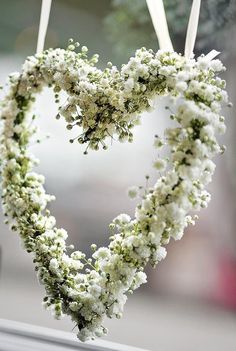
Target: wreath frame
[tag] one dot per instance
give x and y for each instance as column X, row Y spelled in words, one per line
column 104, row 104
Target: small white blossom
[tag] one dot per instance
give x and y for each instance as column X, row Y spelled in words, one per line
column 159, row 164
column 122, row 219
column 133, row 192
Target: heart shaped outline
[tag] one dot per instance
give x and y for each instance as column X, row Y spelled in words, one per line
column 109, row 103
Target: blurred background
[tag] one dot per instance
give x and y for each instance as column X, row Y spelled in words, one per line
column 189, row 302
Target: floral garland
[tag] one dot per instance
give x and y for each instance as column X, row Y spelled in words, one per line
column 107, row 104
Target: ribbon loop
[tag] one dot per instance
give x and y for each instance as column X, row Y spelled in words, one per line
column 158, row 16
column 44, row 18
column 192, row 28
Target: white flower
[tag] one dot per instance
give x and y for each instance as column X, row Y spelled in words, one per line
column 159, row 164
column 133, row 192
column 53, row 265
column 158, row 142
column 217, row 65
column 160, row 253
column 62, row 233
column 139, row 279
column 95, row 290
column 122, row 219
column 129, row 85
column 102, row 253
column 181, row 86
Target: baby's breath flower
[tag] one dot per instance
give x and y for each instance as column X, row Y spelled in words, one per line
column 133, row 192
column 158, row 142
column 159, row 164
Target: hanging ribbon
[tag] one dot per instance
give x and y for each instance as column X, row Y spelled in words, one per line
column 44, row 18
column 158, row 16
column 192, row 28
column 211, row 55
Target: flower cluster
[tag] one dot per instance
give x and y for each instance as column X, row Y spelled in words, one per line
column 107, row 104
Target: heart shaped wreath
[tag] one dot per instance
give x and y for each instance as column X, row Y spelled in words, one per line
column 104, row 104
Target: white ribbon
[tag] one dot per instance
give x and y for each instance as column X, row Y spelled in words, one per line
column 158, row 16
column 44, row 18
column 211, row 55
column 192, row 28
